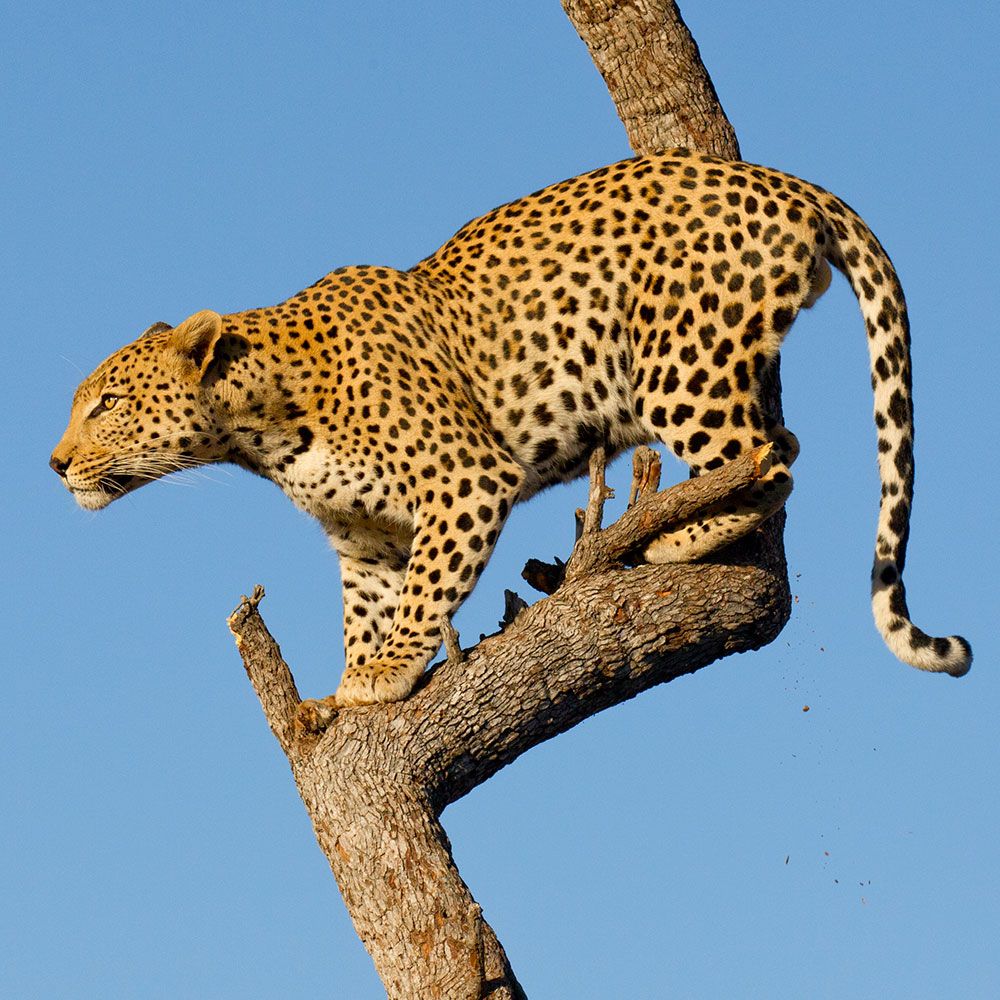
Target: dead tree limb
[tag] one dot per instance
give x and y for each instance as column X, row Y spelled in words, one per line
column 375, row 782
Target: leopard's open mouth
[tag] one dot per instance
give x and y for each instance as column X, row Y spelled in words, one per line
column 105, row 490
column 118, row 484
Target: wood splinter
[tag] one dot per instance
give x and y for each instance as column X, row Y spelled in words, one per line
column 646, row 466
column 452, row 648
column 588, row 521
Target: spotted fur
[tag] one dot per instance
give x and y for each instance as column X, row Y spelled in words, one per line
column 408, row 410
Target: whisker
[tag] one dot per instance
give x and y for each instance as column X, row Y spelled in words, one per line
column 161, row 463
column 171, row 481
column 178, row 470
column 200, row 474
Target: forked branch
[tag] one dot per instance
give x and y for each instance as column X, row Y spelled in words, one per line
column 377, row 780
column 653, row 513
column 384, row 772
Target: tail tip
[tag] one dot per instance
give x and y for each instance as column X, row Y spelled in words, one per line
column 958, row 660
column 952, row 655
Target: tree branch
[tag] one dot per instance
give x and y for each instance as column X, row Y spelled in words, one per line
column 647, row 517
column 376, row 781
column 266, row 668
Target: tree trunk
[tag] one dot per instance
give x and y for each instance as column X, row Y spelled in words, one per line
column 375, row 782
column 653, row 69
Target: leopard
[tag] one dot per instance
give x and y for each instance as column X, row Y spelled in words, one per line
column 408, row 411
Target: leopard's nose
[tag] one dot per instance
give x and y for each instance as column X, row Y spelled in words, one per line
column 59, row 465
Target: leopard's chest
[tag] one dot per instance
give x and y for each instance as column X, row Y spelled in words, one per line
column 317, row 477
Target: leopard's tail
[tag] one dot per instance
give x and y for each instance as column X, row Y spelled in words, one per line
column 853, row 249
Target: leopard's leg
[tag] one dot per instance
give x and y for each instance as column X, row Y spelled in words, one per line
column 785, row 442
column 716, row 527
column 454, row 539
column 697, row 386
column 371, row 591
column 372, row 568
column 819, row 282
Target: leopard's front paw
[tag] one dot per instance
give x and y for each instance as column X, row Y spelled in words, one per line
column 375, row 682
column 313, row 716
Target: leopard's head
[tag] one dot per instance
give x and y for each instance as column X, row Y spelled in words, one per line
column 142, row 414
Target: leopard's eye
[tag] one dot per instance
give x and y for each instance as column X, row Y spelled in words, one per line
column 108, row 402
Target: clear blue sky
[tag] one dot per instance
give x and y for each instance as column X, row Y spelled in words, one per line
column 708, row 840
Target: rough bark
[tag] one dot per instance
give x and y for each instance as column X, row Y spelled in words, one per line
column 376, row 781
column 654, row 72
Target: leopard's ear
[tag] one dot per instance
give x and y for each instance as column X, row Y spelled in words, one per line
column 196, row 338
column 155, row 328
